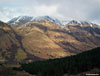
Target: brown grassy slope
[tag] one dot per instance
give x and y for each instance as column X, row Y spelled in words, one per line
column 87, row 36
column 9, row 44
column 36, row 41
column 45, row 39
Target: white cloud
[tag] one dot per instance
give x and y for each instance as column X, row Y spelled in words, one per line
column 64, row 9
column 46, row 10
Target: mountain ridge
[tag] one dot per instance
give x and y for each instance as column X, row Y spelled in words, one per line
column 48, row 18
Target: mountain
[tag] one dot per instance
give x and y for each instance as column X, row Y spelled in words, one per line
column 73, row 39
column 43, row 38
column 25, row 19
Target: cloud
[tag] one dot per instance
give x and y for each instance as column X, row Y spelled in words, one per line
column 9, row 13
column 46, row 10
column 64, row 9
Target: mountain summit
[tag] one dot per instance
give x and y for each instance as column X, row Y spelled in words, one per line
column 25, row 19
column 20, row 20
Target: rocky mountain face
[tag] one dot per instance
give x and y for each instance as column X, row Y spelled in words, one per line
column 45, row 38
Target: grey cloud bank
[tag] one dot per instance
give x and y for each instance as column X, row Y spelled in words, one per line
column 87, row 10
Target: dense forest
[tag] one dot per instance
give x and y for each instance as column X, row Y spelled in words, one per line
column 69, row 65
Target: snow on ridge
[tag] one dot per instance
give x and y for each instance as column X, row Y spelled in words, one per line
column 25, row 19
column 30, row 18
column 81, row 23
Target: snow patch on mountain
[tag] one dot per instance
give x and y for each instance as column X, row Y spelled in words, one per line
column 81, row 23
column 25, row 19
column 47, row 18
column 22, row 19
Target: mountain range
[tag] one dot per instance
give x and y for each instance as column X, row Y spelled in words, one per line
column 26, row 39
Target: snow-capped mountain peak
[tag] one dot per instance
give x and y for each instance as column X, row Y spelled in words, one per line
column 24, row 19
column 47, row 18
column 20, row 19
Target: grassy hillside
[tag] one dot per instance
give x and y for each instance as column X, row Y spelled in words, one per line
column 36, row 41
column 47, row 40
column 72, row 65
column 40, row 40
column 11, row 47
column 9, row 43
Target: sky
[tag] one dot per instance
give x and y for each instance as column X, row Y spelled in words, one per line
column 84, row 10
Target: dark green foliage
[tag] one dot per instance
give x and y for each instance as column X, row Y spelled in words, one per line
column 71, row 65
column 19, row 69
column 0, row 64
